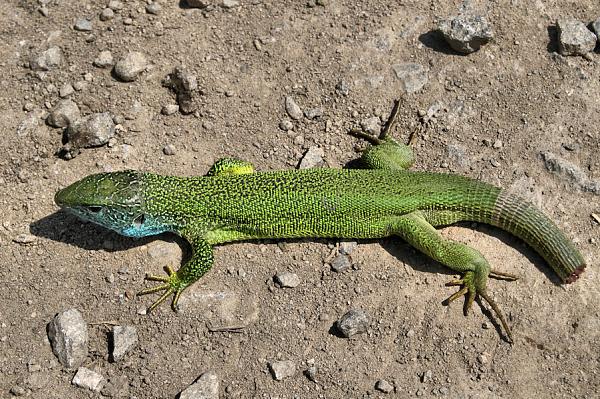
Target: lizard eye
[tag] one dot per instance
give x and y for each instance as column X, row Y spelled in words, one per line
column 138, row 221
column 94, row 209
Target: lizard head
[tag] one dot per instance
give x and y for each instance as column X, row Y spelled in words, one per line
column 113, row 200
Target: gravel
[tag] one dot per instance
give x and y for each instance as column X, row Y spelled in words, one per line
column 412, row 75
column 353, row 322
column 185, row 86
column 83, row 25
column 205, row 387
column 287, row 280
column 91, row 131
column 384, row 386
column 312, row 158
column 574, row 38
column 63, row 114
column 68, row 334
column 466, row 33
column 292, row 109
column 107, row 14
column 124, row 339
column 286, row 125
column 282, row 369
column 153, row 8
column 128, row 68
column 86, row 378
column 341, row 263
column 47, row 60
column 104, row 60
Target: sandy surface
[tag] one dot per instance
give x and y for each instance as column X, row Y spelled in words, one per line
column 497, row 109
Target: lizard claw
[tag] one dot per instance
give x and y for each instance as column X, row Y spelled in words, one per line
column 171, row 285
column 471, row 291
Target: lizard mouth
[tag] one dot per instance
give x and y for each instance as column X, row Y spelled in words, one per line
column 575, row 275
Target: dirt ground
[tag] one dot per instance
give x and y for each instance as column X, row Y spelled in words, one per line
column 491, row 114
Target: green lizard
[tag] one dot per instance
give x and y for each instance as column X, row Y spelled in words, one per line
column 233, row 203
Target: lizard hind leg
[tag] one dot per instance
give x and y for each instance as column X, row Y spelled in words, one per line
column 415, row 229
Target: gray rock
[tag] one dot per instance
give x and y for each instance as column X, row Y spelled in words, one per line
column 574, row 38
column 83, row 25
column 115, row 5
column 282, row 369
column 131, row 66
column 287, row 279
column 29, row 125
column 185, row 86
column 107, row 14
column 570, row 172
column 427, row 376
column 347, row 247
column 384, row 386
column 230, row 3
column 342, row 87
column 198, row 3
column 313, row 113
column 596, row 27
column 169, row 109
column 311, row 373
column 104, row 60
column 47, row 60
column 292, row 109
column 371, row 125
column 466, row 33
column 124, row 339
column 63, row 114
column 169, row 149
column 412, row 75
column 286, row 125
column 205, row 387
column 341, row 263
column 68, row 336
column 312, row 158
column 86, row 378
column 353, row 322
column 66, row 90
column 153, row 8
column 91, row 131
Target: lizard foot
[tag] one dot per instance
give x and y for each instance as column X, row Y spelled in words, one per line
column 469, row 289
column 172, row 285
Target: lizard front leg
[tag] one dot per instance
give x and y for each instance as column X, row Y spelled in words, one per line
column 418, row 232
column 176, row 281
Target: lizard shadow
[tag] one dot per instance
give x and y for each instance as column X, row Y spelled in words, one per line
column 69, row 229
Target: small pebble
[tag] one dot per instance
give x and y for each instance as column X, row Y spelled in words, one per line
column 341, row 263
column 311, row 373
column 83, row 25
column 104, row 59
column 347, row 247
column 283, row 369
column 466, row 33
column 44, row 11
column 169, row 149
column 313, row 113
column 86, row 378
column 384, row 386
column 497, row 144
column 427, row 376
column 68, row 334
column 371, row 125
column 292, row 109
column 343, row 87
column 153, row 8
column 91, row 131
column 596, row 28
column 107, row 14
column 66, row 90
column 574, row 38
column 286, row 125
column 115, row 5
column 128, row 68
column 412, row 75
column 63, row 114
column 287, row 279
column 169, row 109
column 185, row 86
column 47, row 60
column 353, row 322
column 205, row 387
column 124, row 339
column 312, row 158
column 198, row 3
column 230, row 3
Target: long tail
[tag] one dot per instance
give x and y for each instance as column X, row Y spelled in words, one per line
column 526, row 221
